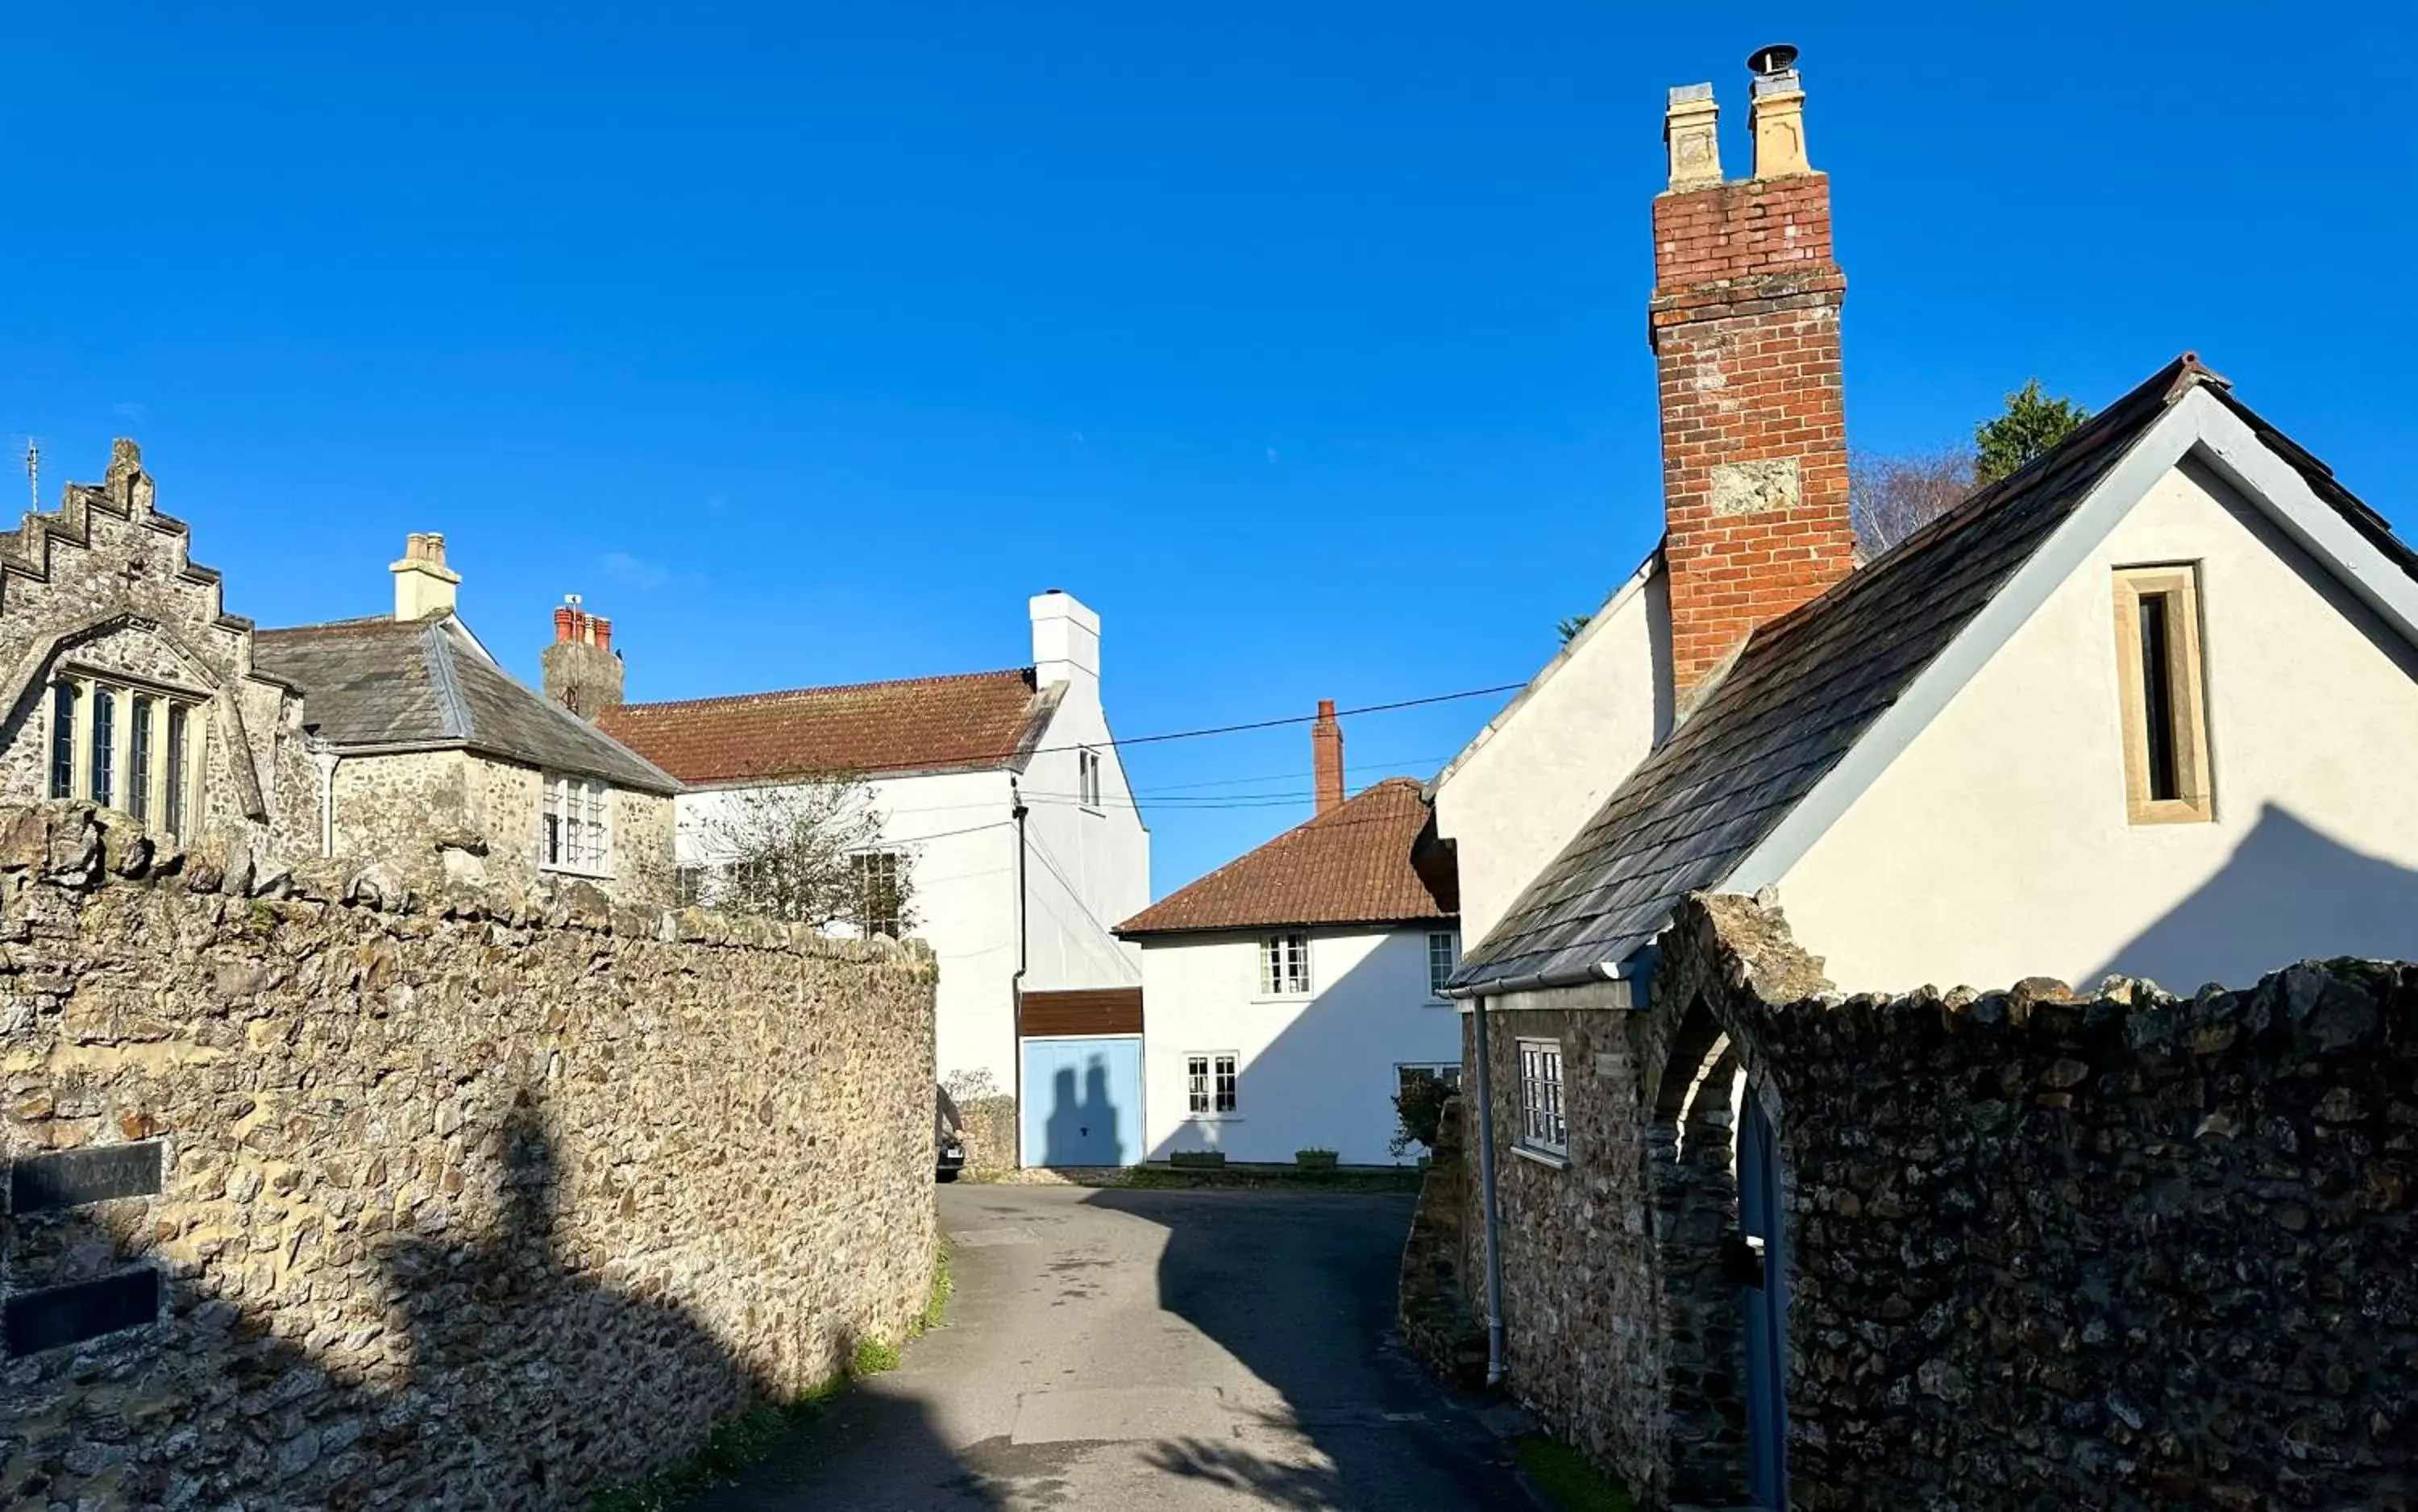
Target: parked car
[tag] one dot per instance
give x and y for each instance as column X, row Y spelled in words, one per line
column 948, row 1136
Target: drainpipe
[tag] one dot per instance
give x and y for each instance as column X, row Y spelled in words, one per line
column 1023, row 958
column 1493, row 1221
column 324, row 755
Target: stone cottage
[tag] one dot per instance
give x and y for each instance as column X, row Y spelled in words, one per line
column 423, row 748
column 2141, row 708
column 396, row 740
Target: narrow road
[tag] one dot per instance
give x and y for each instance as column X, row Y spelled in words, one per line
column 1114, row 1350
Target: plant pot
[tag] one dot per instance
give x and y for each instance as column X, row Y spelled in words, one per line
column 1314, row 1159
column 1197, row 1160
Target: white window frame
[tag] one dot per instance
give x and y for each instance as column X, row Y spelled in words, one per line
column 1213, row 1085
column 1450, row 941
column 1448, row 1071
column 172, row 797
column 578, row 841
column 1284, row 965
column 1087, row 778
column 1545, row 1120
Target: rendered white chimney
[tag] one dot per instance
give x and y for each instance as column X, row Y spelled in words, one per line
column 423, row 585
column 1065, row 640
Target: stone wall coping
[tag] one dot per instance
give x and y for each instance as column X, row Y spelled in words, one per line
column 81, row 847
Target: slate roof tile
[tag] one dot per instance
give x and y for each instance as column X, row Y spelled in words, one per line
column 385, row 682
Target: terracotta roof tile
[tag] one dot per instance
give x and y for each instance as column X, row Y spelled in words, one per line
column 1372, row 859
column 970, row 723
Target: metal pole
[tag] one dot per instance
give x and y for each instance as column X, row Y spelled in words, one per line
column 1492, row 1219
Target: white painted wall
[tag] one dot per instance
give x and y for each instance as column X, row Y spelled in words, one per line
column 1548, row 762
column 1995, row 845
column 1087, row 868
column 1317, row 1071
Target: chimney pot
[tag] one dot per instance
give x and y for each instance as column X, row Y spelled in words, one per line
column 1776, row 118
column 1691, row 130
column 562, row 623
column 603, row 636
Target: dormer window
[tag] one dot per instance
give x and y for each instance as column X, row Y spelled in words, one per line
column 123, row 746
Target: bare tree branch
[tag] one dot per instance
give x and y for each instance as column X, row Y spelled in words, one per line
column 807, row 852
column 1890, row 498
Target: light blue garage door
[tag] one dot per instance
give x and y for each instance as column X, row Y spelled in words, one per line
column 1082, row 1102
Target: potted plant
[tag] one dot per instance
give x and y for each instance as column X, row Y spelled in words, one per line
column 1197, row 1160
column 1314, row 1159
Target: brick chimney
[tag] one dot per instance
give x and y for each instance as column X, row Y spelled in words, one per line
column 1745, row 327
column 581, row 671
column 423, row 585
column 1326, row 757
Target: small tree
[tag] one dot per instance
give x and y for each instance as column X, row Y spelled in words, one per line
column 1418, row 1109
column 2033, row 423
column 1890, row 497
column 808, row 852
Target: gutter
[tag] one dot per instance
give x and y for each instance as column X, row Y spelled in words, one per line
column 1633, row 968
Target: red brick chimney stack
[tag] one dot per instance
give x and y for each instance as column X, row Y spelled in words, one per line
column 581, row 670
column 1326, row 757
column 1745, row 327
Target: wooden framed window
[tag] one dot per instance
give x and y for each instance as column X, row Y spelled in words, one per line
column 1284, row 966
column 1211, row 1082
column 575, row 827
column 1444, row 953
column 2161, row 684
column 1087, row 777
column 877, row 899
column 1542, row 1126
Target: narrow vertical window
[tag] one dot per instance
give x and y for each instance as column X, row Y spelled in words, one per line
column 1087, row 770
column 1196, row 1082
column 138, row 756
column 1227, row 1079
column 175, row 773
column 2164, row 718
column 104, row 747
column 63, row 705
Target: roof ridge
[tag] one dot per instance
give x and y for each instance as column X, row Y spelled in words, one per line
column 770, row 694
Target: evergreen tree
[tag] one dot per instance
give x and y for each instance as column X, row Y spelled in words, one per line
column 2033, row 423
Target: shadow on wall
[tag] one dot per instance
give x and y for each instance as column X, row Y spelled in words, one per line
column 1336, row 1440
column 1327, row 1081
column 2287, row 894
column 511, row 1372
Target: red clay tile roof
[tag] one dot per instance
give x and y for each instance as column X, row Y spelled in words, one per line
column 1372, row 859
column 974, row 722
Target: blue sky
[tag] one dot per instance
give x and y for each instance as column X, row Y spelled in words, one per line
column 1303, row 343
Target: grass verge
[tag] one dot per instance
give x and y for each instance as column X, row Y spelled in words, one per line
column 739, row 1442
column 1564, row 1477
column 1366, row 1179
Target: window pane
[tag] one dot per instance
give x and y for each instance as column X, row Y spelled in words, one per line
column 104, row 747
column 2158, row 696
column 1226, row 1079
column 175, row 773
column 63, row 697
column 138, row 759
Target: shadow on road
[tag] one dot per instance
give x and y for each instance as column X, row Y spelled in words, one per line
column 1299, row 1288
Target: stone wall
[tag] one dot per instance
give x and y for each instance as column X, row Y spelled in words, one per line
column 1438, row 1322
column 473, row 1199
column 2126, row 1251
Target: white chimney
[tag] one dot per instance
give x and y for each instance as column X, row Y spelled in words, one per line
column 423, row 585
column 1066, row 641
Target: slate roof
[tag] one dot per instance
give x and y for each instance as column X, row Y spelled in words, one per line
column 1372, row 859
column 382, row 683
column 976, row 721
column 1802, row 691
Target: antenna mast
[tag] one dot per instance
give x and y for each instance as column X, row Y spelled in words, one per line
column 34, row 472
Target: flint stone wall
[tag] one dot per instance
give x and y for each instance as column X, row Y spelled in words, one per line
column 469, row 1198
column 2126, row 1251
